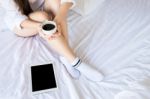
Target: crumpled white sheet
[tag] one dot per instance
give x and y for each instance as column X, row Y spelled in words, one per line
column 128, row 95
column 115, row 39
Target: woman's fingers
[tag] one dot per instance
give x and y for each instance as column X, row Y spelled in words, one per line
column 56, row 34
column 40, row 31
column 43, row 35
column 59, row 28
column 48, row 37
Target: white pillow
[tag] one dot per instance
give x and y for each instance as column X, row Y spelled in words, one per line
column 85, row 7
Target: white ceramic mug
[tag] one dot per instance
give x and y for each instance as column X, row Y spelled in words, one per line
column 49, row 27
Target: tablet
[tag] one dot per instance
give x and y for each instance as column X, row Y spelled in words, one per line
column 43, row 78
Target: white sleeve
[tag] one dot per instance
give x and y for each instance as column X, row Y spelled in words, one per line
column 71, row 1
column 13, row 17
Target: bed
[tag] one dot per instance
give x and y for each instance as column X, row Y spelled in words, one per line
column 115, row 39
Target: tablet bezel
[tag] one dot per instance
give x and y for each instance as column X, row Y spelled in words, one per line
column 45, row 90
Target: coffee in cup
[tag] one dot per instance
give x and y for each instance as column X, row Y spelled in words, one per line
column 49, row 27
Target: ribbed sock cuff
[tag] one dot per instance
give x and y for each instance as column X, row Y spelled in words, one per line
column 76, row 62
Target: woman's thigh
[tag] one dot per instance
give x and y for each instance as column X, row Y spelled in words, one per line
column 40, row 16
column 52, row 6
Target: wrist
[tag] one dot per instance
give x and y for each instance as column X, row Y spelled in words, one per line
column 38, row 27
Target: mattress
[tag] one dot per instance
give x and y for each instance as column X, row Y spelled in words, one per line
column 114, row 39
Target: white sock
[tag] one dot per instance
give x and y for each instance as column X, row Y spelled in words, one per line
column 77, row 66
column 89, row 72
column 76, row 62
column 72, row 71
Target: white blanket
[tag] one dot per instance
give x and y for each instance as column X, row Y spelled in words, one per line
column 115, row 39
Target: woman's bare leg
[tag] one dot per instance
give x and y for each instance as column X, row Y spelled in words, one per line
column 72, row 63
column 60, row 45
column 53, row 6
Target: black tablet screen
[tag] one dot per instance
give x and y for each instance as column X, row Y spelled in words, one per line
column 43, row 77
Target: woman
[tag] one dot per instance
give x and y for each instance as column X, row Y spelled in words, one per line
column 25, row 18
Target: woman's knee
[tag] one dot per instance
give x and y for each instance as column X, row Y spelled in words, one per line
column 39, row 16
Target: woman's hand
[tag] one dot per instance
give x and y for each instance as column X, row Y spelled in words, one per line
column 47, row 37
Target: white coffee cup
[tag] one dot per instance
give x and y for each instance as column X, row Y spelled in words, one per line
column 49, row 27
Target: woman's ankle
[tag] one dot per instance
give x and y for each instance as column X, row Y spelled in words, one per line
column 74, row 62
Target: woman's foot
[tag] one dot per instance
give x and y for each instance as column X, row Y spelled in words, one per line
column 89, row 72
column 72, row 71
column 77, row 66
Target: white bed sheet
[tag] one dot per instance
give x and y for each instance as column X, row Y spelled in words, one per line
column 115, row 39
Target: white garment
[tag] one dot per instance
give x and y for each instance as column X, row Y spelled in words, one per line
column 13, row 17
